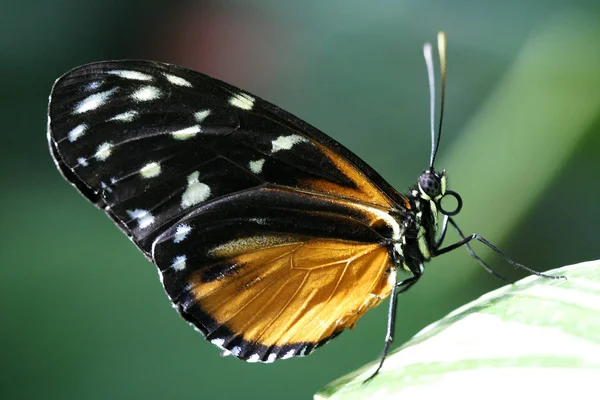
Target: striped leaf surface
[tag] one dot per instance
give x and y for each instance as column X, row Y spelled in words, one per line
column 537, row 337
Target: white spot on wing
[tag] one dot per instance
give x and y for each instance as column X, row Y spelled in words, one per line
column 143, row 217
column 186, row 133
column 253, row 358
column 181, row 233
column 93, row 101
column 272, row 357
column 76, row 132
column 286, row 142
column 125, row 117
column 176, row 80
column 289, row 354
column 303, row 351
column 201, row 115
column 93, row 85
column 218, row 342
column 146, row 93
column 103, row 151
column 134, row 75
column 261, row 221
column 196, row 191
column 256, row 166
column 104, row 186
column 242, row 100
column 150, row 170
column 82, row 161
column 236, row 350
column 179, row 263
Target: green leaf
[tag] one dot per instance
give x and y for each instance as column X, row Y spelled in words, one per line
column 538, row 336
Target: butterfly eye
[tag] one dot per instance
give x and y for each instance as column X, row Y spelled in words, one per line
column 430, row 185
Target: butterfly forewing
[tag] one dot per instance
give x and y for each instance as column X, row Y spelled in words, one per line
column 270, row 237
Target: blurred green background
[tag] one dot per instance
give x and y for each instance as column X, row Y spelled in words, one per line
column 84, row 315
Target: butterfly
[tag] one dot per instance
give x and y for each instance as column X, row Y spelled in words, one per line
column 270, row 237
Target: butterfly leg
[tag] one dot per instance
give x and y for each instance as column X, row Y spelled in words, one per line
column 442, row 236
column 468, row 247
column 399, row 288
column 465, row 242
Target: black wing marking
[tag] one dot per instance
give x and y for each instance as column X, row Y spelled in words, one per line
column 134, row 136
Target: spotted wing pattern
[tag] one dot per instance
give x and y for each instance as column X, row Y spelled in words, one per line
column 245, row 209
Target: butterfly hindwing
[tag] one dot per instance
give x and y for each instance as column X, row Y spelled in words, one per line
column 245, row 209
column 270, row 280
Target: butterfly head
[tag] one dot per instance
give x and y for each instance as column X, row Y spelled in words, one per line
column 432, row 186
column 426, row 199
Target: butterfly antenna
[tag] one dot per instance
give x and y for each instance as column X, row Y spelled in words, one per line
column 429, row 62
column 428, row 54
column 442, row 53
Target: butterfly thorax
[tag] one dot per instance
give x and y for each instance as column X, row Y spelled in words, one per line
column 419, row 239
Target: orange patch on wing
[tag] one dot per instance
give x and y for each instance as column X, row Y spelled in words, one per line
column 297, row 292
column 365, row 190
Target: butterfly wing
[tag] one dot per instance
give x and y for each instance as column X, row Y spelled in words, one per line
column 270, row 236
column 272, row 274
